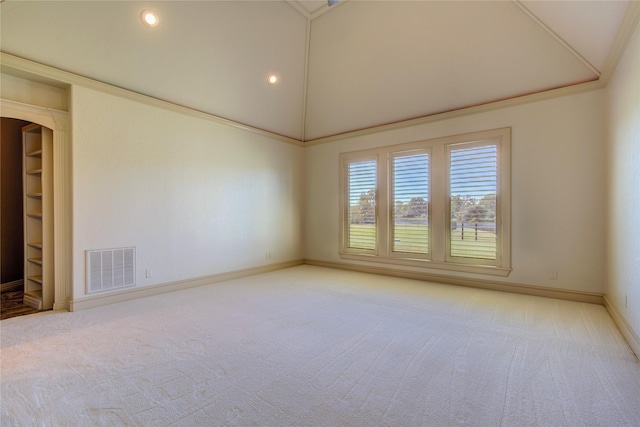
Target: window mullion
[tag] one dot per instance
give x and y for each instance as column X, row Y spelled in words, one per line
column 503, row 204
column 438, row 206
column 382, row 222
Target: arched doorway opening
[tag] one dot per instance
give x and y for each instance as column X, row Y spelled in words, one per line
column 58, row 122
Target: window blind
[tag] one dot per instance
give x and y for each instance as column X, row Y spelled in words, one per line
column 361, row 215
column 473, row 178
column 411, row 203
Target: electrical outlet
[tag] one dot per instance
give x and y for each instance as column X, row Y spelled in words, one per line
column 553, row 274
column 148, row 273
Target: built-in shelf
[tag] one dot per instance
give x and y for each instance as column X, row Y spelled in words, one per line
column 37, row 279
column 36, row 293
column 33, row 299
column 38, row 216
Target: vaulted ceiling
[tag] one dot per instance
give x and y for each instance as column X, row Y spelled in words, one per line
column 352, row 66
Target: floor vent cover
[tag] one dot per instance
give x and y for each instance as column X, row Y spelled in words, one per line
column 111, row 269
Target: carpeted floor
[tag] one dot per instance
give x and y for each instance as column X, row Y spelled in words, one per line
column 308, row 346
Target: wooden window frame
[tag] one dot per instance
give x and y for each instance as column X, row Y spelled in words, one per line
column 439, row 214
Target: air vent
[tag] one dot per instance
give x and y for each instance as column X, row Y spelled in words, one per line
column 110, row 269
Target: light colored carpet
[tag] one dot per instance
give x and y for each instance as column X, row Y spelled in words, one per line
column 320, row 347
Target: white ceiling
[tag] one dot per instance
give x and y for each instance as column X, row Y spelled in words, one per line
column 356, row 65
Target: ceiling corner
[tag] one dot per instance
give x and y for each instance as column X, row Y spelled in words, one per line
column 295, row 4
column 630, row 21
column 312, row 9
column 558, row 38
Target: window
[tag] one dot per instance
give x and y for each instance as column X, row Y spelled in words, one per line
column 410, row 198
column 441, row 203
column 361, row 213
column 473, row 179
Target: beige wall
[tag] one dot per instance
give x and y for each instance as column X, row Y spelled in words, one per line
column 30, row 92
column 11, row 219
column 194, row 197
column 558, row 191
column 623, row 150
column 197, row 197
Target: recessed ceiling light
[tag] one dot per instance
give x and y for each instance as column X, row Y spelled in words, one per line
column 149, row 18
column 272, row 79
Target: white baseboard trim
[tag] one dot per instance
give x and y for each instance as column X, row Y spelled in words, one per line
column 147, row 291
column 11, row 285
column 570, row 295
column 623, row 325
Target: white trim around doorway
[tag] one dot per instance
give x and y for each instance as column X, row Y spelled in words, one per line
column 59, row 122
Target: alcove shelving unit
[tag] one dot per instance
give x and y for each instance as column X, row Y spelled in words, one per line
column 37, row 144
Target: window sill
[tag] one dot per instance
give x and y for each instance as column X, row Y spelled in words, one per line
column 422, row 263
